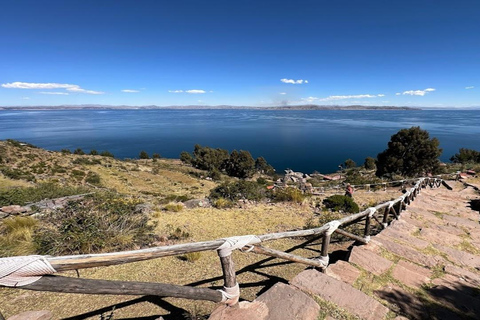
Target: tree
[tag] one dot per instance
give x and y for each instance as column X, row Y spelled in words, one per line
column 349, row 163
column 207, row 158
column 93, row 152
column 240, row 164
column 369, row 163
column 410, row 152
column 79, row 151
column 156, row 156
column 466, row 156
column 143, row 155
column 262, row 166
column 186, row 157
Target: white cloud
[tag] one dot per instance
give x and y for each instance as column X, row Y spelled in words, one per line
column 470, row 87
column 358, row 96
column 380, row 95
column 310, row 99
column 130, row 91
column 418, row 92
column 283, row 93
column 55, row 93
column 25, row 98
column 175, row 91
column 291, row 81
column 398, row 94
column 66, row 86
column 195, row 91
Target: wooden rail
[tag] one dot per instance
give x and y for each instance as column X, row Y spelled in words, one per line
column 382, row 214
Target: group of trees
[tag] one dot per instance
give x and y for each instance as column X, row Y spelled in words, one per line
column 236, row 164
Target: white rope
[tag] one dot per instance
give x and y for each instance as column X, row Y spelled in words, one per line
column 323, row 260
column 367, row 239
column 233, row 243
column 230, row 295
column 332, row 226
column 24, row 270
column 372, row 212
column 390, row 204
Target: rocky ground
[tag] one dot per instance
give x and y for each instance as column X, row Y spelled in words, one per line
column 424, row 266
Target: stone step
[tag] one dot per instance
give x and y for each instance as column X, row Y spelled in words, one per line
column 340, row 293
column 281, row 301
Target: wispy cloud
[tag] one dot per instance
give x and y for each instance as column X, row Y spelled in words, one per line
column 25, row 98
column 282, row 93
column 418, row 92
column 470, row 87
column 195, row 91
column 380, row 95
column 291, row 81
column 55, row 93
column 66, row 86
column 335, row 98
column 130, row 91
column 398, row 94
column 175, row 91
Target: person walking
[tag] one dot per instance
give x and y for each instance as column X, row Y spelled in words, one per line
column 349, row 190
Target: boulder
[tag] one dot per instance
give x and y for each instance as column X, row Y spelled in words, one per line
column 14, row 209
column 197, row 203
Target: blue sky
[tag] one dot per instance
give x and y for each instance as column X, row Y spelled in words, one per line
column 256, row 53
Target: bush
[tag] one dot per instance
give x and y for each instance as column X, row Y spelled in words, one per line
column 369, row 163
column 466, row 156
column 79, row 151
column 222, row 203
column 86, row 161
column 192, row 256
column 16, row 236
column 289, row 194
column 349, row 163
column 48, row 190
column 93, row 178
column 100, row 223
column 143, row 155
column 341, row 203
column 107, row 154
column 93, row 152
column 66, row 151
column 177, row 233
column 239, row 190
column 156, row 156
column 174, row 207
column 17, row 174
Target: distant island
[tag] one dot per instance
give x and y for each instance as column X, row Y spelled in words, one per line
column 296, row 107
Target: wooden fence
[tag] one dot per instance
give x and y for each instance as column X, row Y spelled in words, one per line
column 381, row 214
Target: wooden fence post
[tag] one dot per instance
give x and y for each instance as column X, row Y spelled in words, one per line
column 324, row 252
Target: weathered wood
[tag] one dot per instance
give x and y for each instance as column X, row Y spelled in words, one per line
column 286, row 256
column 385, row 215
column 446, row 185
column 228, row 268
column 378, row 221
column 351, row 235
column 92, row 286
column 368, row 222
column 392, row 210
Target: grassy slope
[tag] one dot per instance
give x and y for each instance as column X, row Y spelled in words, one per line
column 154, row 181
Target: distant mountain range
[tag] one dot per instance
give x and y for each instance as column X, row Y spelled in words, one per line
column 298, row 107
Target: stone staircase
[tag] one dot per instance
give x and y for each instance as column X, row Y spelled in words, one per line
column 424, row 266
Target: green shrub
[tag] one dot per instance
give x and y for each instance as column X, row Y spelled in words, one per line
column 100, row 223
column 177, row 233
column 66, row 151
column 238, row 190
column 78, row 151
column 341, row 203
column 175, row 198
column 17, row 174
column 93, row 152
column 143, row 155
column 93, row 178
column 107, row 154
column 46, row 190
column 86, row 161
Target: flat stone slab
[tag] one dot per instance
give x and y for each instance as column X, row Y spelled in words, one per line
column 33, row 315
column 340, row 293
column 468, row 276
column 408, row 305
column 411, row 274
column 409, row 253
column 286, row 302
column 457, row 298
column 404, row 237
column 437, row 236
column 462, row 222
column 369, row 260
column 343, row 271
column 245, row 310
column 460, row 257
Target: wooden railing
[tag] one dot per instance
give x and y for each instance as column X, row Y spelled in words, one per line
column 381, row 214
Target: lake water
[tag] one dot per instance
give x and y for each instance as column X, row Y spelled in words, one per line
column 305, row 140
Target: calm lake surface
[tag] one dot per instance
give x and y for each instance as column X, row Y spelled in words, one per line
column 305, row 140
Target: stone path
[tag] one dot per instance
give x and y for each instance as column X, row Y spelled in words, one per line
column 424, row 266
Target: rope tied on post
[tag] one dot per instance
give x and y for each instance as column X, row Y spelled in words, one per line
column 233, row 243
column 230, row 295
column 332, row 226
column 372, row 211
column 23, row 270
